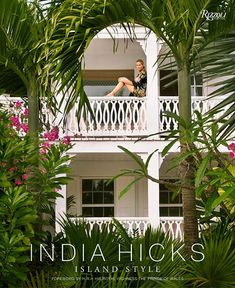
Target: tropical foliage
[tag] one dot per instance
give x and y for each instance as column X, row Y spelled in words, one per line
column 220, row 57
column 215, row 270
column 27, row 194
column 214, row 170
column 18, row 212
column 40, row 280
column 17, row 216
column 218, row 269
column 213, row 179
column 21, row 28
column 179, row 23
column 74, row 24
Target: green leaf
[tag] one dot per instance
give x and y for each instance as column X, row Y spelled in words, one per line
column 176, row 161
column 208, row 206
column 221, row 198
column 179, row 119
column 202, row 169
column 135, row 157
column 127, row 188
column 149, row 158
column 168, row 147
column 11, row 259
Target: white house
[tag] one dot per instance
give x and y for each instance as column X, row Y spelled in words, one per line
column 121, row 120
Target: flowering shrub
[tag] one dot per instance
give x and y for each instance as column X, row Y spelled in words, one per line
column 52, row 150
column 29, row 184
column 18, row 210
column 19, row 119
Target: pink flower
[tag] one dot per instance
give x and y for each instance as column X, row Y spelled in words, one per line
column 46, row 134
column 232, row 154
column 52, row 135
column 15, row 121
column 46, row 144
column 66, row 140
column 18, row 104
column 25, row 176
column 26, row 112
column 231, row 147
column 24, row 127
column 43, row 150
column 18, row 181
column 11, row 169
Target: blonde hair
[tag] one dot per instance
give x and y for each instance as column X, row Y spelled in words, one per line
column 141, row 61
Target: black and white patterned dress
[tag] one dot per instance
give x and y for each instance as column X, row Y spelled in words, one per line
column 140, row 85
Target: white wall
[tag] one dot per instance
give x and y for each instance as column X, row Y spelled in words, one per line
column 133, row 204
column 100, row 54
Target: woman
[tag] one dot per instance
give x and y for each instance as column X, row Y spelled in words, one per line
column 137, row 87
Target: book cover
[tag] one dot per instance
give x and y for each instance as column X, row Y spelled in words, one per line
column 116, row 164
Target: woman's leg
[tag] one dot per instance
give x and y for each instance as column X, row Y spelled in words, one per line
column 122, row 81
column 117, row 88
column 130, row 88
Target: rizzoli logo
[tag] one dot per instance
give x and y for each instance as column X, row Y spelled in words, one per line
column 210, row 16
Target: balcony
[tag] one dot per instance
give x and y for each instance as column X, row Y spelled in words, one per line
column 128, row 116
column 113, row 117
column 120, row 117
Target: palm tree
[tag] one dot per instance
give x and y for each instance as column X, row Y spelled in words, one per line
column 179, row 23
column 221, row 57
column 21, row 28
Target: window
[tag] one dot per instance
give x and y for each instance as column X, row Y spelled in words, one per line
column 97, row 198
column 196, row 85
column 169, row 205
column 169, row 77
column 166, row 77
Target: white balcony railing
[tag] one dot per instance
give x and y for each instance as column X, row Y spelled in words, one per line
column 171, row 104
column 139, row 225
column 119, row 116
column 113, row 116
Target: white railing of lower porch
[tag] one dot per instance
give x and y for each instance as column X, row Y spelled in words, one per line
column 113, row 116
column 173, row 225
column 139, row 225
column 132, row 225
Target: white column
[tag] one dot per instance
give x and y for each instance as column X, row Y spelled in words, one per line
column 153, row 47
column 153, row 189
column 60, row 207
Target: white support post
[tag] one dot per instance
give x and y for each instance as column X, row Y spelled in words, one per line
column 61, row 202
column 153, row 85
column 60, row 207
column 153, row 189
